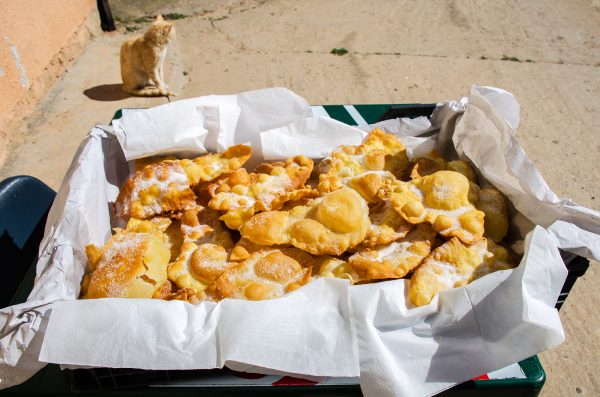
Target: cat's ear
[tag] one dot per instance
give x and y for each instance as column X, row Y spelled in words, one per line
column 159, row 18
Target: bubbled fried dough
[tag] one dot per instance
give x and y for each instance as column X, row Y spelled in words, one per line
column 132, row 264
column 424, row 166
column 210, row 166
column 240, row 194
column 396, row 259
column 158, row 188
column 329, row 266
column 266, row 274
column 463, row 168
column 395, row 159
column 365, row 167
column 202, row 226
column 440, row 199
column 386, row 226
column 197, row 267
column 327, row 225
column 169, row 292
column 455, row 264
column 244, row 248
column 166, row 186
column 493, row 203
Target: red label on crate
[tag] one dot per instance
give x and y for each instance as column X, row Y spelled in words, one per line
column 291, row 381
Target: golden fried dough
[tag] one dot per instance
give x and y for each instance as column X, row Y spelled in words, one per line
column 157, row 189
column 164, row 187
column 191, row 228
column 168, row 291
column 241, row 195
column 210, row 166
column 202, row 226
column 244, row 248
column 266, row 274
column 424, row 166
column 140, row 164
column 132, row 264
column 395, row 159
column 364, row 168
column 493, row 203
column 368, row 183
column 328, row 225
column 396, row 259
column 462, row 167
column 455, row 264
column 198, row 266
column 386, row 226
column 441, row 199
column 328, row 266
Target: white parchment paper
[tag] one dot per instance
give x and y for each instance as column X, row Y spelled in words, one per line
column 327, row 328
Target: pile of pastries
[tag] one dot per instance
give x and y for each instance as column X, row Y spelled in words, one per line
column 208, row 229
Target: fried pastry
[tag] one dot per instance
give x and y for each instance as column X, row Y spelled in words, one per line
column 365, row 167
column 208, row 262
column 191, row 227
column 157, row 189
column 244, row 248
column 132, row 264
column 210, row 166
column 455, row 264
column 327, row 225
column 464, row 168
column 202, row 226
column 164, row 187
column 395, row 159
column 168, row 291
column 441, row 199
column 424, row 166
column 493, row 203
column 174, row 238
column 266, row 274
column 197, row 267
column 386, row 226
column 396, row 259
column 140, row 164
column 241, row 195
column 368, row 183
column 328, row 266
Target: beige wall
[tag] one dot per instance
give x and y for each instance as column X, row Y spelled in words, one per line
column 33, row 34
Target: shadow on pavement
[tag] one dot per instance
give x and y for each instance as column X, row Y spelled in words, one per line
column 106, row 92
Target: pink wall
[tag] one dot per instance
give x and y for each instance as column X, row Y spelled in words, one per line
column 32, row 33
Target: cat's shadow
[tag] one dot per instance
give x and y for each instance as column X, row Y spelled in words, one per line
column 106, row 92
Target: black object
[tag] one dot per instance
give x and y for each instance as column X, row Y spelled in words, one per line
column 411, row 110
column 577, row 266
column 106, row 18
column 24, row 205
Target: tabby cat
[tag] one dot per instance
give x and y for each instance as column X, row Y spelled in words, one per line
column 142, row 60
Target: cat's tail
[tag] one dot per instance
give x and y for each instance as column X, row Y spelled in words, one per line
column 152, row 91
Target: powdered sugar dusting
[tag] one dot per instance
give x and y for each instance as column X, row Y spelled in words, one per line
column 125, row 249
column 446, row 273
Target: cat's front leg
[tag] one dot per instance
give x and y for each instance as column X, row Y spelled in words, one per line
column 161, row 84
column 154, row 78
column 162, row 77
